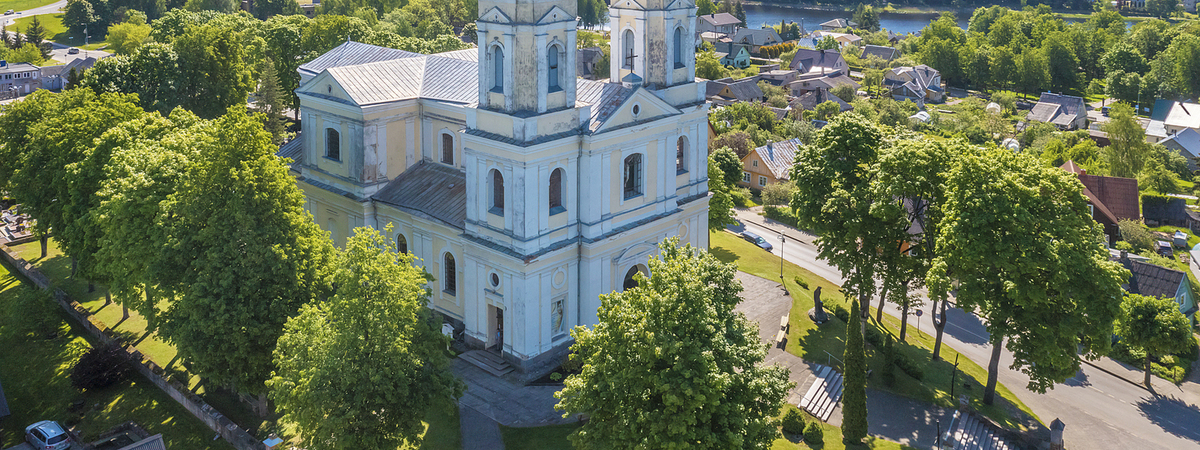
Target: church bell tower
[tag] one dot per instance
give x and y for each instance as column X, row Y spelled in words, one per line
column 654, row 40
column 526, row 55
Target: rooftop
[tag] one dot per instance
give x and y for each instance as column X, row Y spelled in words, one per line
column 779, row 156
column 1151, row 280
column 721, row 19
column 431, row 189
column 1057, row 109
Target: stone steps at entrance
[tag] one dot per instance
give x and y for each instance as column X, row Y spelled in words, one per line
column 488, row 361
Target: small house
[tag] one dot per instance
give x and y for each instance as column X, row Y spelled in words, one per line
column 879, row 51
column 837, row 24
column 756, row 39
column 1157, row 281
column 727, row 92
column 1110, row 198
column 586, row 60
column 721, row 23
column 1171, row 117
column 1187, row 143
column 1067, row 112
column 769, row 164
column 18, row 79
column 918, row 84
column 733, row 54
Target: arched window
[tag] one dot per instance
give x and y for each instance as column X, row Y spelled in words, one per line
column 497, row 69
column 556, row 204
column 449, row 280
column 333, row 144
column 552, row 68
column 681, row 154
column 679, row 48
column 447, row 149
column 497, row 192
column 401, row 243
column 630, row 282
column 627, row 42
column 633, row 175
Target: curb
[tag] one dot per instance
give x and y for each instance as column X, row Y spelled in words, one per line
column 1119, row 377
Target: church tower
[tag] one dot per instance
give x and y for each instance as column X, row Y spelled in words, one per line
column 521, row 38
column 654, row 40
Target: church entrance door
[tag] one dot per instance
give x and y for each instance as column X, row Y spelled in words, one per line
column 495, row 329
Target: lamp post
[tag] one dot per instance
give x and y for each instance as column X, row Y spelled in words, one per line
column 782, row 240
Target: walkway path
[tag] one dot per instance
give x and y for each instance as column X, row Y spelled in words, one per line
column 490, row 402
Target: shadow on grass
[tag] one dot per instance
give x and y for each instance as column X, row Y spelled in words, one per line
column 724, row 255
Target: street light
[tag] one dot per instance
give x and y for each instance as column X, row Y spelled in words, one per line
column 782, row 240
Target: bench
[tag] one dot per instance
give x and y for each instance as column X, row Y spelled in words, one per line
column 779, row 337
column 783, row 322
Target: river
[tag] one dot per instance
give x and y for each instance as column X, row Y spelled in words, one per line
column 757, row 15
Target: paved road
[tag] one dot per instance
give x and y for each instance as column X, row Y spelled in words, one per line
column 48, row 9
column 1099, row 409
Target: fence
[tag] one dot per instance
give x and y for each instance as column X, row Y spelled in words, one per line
column 239, row 438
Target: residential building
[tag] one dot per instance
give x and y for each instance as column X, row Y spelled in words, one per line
column 756, row 39
column 721, row 23
column 1111, row 198
column 843, row 39
column 1171, row 117
column 809, row 82
column 1187, row 143
column 769, row 164
column 731, row 54
column 1172, row 211
column 919, row 84
column 824, row 62
column 714, row 38
column 879, row 51
column 586, row 60
column 526, row 191
column 19, row 78
column 809, row 101
column 55, row 77
column 727, row 91
column 771, row 73
column 1067, row 112
column 1157, row 281
column 837, row 24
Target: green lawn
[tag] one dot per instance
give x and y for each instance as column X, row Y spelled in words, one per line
column 816, row 344
column 553, row 437
column 37, row 386
column 832, row 438
column 22, row 5
column 57, row 32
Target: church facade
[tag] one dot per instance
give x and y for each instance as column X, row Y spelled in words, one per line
column 525, row 191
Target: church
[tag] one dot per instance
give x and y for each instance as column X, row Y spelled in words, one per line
column 525, row 191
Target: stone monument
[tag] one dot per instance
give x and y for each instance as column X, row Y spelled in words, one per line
column 818, row 314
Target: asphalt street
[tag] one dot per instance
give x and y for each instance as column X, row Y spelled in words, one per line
column 1100, row 410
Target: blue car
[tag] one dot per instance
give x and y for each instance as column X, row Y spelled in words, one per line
column 757, row 240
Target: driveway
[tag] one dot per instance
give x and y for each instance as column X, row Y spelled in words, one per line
column 1100, row 410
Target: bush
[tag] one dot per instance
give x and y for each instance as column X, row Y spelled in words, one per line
column 781, row 215
column 873, row 336
column 101, row 367
column 908, row 366
column 889, row 362
column 840, row 312
column 801, row 282
column 32, row 313
column 779, row 193
column 793, row 422
column 813, row 434
column 741, row 196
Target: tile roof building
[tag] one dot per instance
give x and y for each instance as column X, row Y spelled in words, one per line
column 1067, row 112
column 1171, row 117
column 727, row 92
column 837, row 24
column 879, row 51
column 1112, row 198
column 524, row 190
column 919, row 84
column 55, row 77
column 769, row 164
column 1187, row 143
column 756, row 38
column 1157, row 281
column 721, row 23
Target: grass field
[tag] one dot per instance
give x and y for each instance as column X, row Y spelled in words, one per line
column 37, row 386
column 22, row 5
column 57, row 32
column 833, row 438
column 816, row 344
column 552, row 437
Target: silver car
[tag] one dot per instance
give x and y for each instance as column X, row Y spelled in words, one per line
column 47, row 435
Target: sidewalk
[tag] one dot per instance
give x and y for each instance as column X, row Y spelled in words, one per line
column 751, row 215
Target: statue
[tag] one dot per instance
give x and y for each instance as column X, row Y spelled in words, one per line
column 818, row 314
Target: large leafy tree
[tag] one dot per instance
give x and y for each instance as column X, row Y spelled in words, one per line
column 363, row 368
column 213, row 72
column 1018, row 238
column 867, row 17
column 1128, row 152
column 672, row 364
column 1153, row 325
column 242, row 254
column 833, row 176
column 720, row 204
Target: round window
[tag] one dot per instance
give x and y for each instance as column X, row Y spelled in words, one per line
column 495, row 280
column 637, row 109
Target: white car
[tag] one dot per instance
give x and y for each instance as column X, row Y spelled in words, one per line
column 47, row 435
column 9, row 12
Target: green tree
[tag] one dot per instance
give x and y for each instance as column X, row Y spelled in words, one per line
column 221, row 6
column 1163, row 8
column 26, row 53
column 213, row 73
column 1155, row 176
column 124, row 38
column 728, row 163
column 671, row 363
column 1062, row 64
column 827, row 43
column 846, row 92
column 1019, row 239
column 35, row 34
column 1153, row 325
column 1123, row 57
column 363, row 368
column 1128, row 151
column 270, row 103
column 265, row 9
column 1180, row 63
column 73, row 79
column 1136, row 234
column 242, row 254
column 866, row 17
column 78, row 16
column 720, row 206
column 832, row 199
column 977, row 65
column 942, row 54
column 283, row 36
column 1033, row 72
column 854, row 393
column 706, row 7
column 739, row 11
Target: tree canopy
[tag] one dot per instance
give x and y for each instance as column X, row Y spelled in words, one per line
column 1155, row 326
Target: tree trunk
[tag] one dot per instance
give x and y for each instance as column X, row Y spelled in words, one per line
column 124, row 311
column 91, row 288
column 74, row 266
column 904, row 321
column 989, row 391
column 882, row 300
column 864, row 315
column 1147, row 370
column 939, row 324
column 45, row 245
column 107, row 298
column 261, row 406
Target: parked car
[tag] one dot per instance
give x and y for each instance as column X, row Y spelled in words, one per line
column 48, row 435
column 757, row 240
column 9, row 12
column 73, row 51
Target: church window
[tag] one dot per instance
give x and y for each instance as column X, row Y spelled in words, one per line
column 552, row 71
column 556, row 204
column 333, row 144
column 630, row 282
column 497, row 192
column 681, row 151
column 451, row 283
column 627, row 42
column 497, row 69
column 401, row 243
column 633, row 176
column 447, row 149
column 679, row 48
column 557, row 324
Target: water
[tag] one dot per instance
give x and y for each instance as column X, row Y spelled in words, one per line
column 757, row 15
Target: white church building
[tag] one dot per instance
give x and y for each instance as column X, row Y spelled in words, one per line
column 526, row 192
